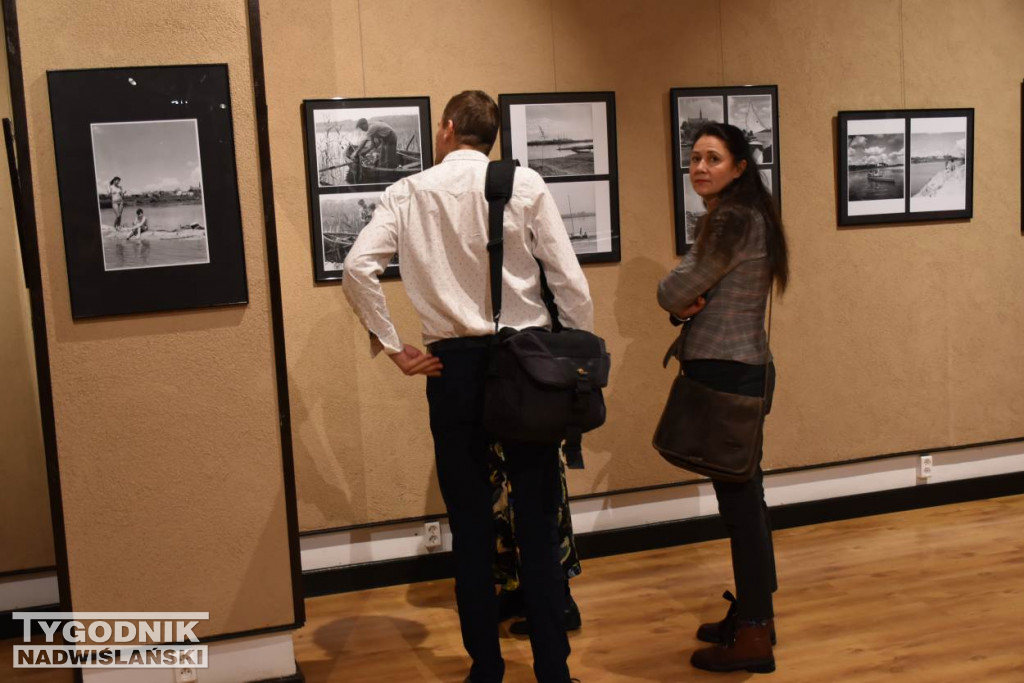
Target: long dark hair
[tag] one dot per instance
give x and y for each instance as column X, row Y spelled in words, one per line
column 747, row 191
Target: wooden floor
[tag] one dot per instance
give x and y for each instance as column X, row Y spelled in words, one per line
column 934, row 595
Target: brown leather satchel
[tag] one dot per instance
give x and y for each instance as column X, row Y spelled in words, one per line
column 712, row 433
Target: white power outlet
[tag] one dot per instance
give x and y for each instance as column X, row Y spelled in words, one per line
column 432, row 534
column 186, row 675
column 924, row 467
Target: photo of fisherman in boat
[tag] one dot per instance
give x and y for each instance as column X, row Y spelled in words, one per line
column 753, row 115
column 342, row 218
column 694, row 114
column 367, row 146
column 875, row 166
column 560, row 139
column 584, row 209
column 149, row 174
column 938, row 163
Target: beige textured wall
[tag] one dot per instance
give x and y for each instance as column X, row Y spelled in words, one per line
column 890, row 338
column 26, row 539
column 167, row 424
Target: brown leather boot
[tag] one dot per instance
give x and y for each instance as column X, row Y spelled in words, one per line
column 751, row 649
column 721, row 632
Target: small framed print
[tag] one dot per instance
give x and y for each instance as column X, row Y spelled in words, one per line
column 148, row 188
column 905, row 165
column 355, row 149
column 754, row 109
column 569, row 139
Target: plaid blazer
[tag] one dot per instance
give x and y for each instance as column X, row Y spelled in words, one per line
column 736, row 283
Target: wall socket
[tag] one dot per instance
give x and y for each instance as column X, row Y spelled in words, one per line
column 186, row 675
column 432, row 534
column 924, row 467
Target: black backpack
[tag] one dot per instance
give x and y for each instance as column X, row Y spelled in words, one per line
column 542, row 386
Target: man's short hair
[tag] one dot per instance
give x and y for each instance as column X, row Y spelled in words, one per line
column 474, row 115
column 363, row 124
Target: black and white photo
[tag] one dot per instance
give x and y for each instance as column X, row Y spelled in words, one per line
column 753, row 115
column 938, row 163
column 355, row 149
column 569, row 139
column 693, row 114
column 695, row 208
column 752, row 109
column 905, row 165
column 342, row 218
column 149, row 186
column 586, row 213
column 558, row 139
column 367, row 146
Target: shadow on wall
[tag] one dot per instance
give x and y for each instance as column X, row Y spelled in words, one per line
column 633, row 401
column 327, row 420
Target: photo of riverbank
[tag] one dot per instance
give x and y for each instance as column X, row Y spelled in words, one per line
column 149, row 191
column 938, row 164
column 559, row 139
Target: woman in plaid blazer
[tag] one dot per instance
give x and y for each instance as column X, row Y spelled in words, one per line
column 720, row 288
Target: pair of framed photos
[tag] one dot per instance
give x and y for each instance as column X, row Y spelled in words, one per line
column 754, row 109
column 905, row 165
column 355, row 149
column 569, row 139
column 148, row 188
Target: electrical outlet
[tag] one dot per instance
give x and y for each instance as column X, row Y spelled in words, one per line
column 432, row 534
column 924, row 467
column 186, row 675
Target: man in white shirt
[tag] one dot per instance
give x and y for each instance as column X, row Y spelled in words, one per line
column 437, row 220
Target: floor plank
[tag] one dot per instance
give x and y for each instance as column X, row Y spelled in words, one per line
column 930, row 595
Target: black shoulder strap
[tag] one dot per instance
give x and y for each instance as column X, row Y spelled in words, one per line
column 498, row 191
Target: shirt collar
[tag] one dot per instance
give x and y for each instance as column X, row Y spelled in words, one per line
column 465, row 155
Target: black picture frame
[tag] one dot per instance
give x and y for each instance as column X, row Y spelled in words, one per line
column 742, row 106
column 343, row 191
column 877, row 185
column 574, row 170
column 167, row 131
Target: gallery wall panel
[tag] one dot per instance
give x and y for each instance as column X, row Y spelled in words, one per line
column 872, row 357
column 983, row 310
column 167, row 426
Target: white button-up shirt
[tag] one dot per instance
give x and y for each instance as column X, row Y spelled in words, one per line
column 437, row 222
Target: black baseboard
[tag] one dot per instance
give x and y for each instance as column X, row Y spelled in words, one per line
column 682, row 532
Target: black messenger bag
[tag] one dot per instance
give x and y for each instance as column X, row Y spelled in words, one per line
column 542, row 386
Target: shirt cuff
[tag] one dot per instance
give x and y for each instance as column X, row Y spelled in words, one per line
column 377, row 346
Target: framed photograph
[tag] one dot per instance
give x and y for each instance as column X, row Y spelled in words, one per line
column 754, row 109
column 355, row 149
column 905, row 165
column 148, row 188
column 569, row 139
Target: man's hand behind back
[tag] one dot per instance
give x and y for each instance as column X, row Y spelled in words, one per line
column 412, row 361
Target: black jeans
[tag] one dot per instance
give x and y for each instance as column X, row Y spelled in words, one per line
column 461, row 449
column 742, row 506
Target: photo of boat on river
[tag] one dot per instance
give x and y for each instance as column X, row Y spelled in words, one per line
column 584, row 209
column 753, row 115
column 342, row 218
column 875, row 166
column 560, row 138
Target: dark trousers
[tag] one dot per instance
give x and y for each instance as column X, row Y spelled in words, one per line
column 461, row 449
column 742, row 505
